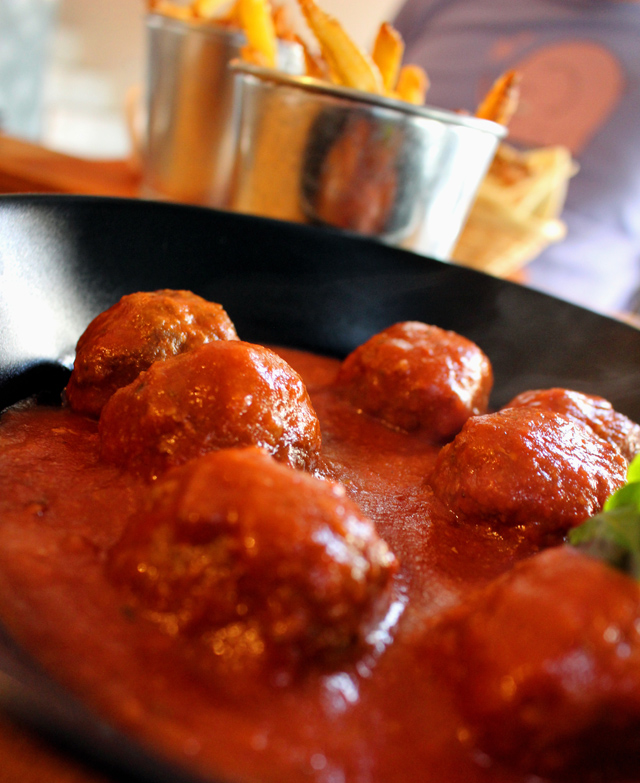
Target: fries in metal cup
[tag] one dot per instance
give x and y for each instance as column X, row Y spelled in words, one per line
column 188, row 139
column 500, row 103
column 257, row 23
column 516, row 212
column 387, row 54
column 170, row 9
column 339, row 60
column 413, row 84
column 207, row 9
column 349, row 65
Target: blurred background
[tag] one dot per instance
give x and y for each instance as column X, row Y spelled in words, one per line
column 69, row 67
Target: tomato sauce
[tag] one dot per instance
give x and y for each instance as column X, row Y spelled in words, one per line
column 384, row 717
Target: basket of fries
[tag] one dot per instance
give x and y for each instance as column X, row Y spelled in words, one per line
column 516, row 213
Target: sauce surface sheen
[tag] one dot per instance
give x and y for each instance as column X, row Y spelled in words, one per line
column 384, row 717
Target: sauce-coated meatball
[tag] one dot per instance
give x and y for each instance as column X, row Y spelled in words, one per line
column 417, row 377
column 527, row 467
column 222, row 394
column 138, row 330
column 254, row 558
column 545, row 665
column 596, row 412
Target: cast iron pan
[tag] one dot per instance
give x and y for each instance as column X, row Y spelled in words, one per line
column 64, row 259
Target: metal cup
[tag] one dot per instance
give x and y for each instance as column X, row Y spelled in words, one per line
column 315, row 153
column 188, row 150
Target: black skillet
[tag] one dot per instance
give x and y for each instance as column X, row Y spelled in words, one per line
column 64, row 259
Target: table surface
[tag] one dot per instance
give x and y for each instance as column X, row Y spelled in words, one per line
column 29, row 168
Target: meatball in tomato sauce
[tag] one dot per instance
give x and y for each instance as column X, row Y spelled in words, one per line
column 527, row 467
column 140, row 329
column 418, row 378
column 595, row 412
column 222, row 394
column 545, row 666
column 254, row 559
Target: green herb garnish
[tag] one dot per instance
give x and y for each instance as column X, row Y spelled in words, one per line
column 613, row 535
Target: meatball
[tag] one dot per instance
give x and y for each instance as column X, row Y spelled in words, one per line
column 138, row 330
column 545, row 665
column 254, row 558
column 527, row 467
column 596, row 412
column 420, row 378
column 222, row 394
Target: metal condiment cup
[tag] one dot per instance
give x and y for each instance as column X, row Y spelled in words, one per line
column 188, row 150
column 311, row 152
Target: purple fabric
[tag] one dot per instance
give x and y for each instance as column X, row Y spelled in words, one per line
column 582, row 58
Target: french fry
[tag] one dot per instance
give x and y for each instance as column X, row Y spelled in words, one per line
column 282, row 23
column 413, row 84
column 259, row 28
column 253, row 56
column 388, row 50
column 175, row 11
column 315, row 66
column 232, row 17
column 348, row 64
column 340, row 60
column 561, row 167
column 207, row 9
column 517, row 211
column 501, row 102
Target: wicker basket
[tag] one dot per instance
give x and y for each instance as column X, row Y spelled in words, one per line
column 516, row 212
